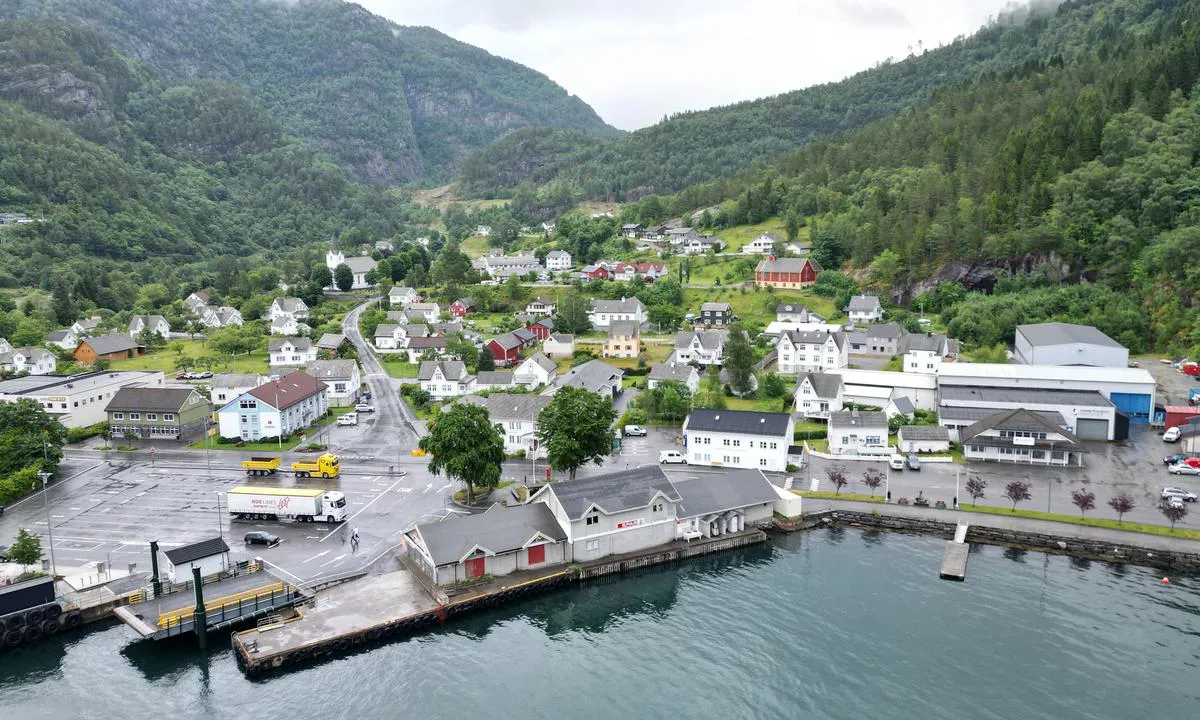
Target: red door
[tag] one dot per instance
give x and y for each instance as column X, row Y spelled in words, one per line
column 475, row 567
column 537, row 554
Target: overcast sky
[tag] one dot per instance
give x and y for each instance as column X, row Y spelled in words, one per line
column 637, row 60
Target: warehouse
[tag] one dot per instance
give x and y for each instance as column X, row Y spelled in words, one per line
column 77, row 400
column 1083, row 412
column 878, row 387
column 1067, row 344
column 1130, row 390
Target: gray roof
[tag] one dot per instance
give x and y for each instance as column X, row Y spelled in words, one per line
column 1019, row 419
column 156, row 398
column 558, row 253
column 332, row 369
column 627, row 305
column 864, row 303
column 494, row 377
column 787, row 265
column 331, row 341
column 398, row 291
column 927, row 342
column 196, row 551
column 739, row 422
column 815, row 337
column 903, row 405
column 543, row 362
column 624, row 328
column 857, row 418
column 34, row 354
column 563, row 338
column 499, row 530
column 289, row 304
column 507, row 406
column 234, row 380
column 711, row 494
column 453, row 369
column 671, row 371
column 508, row 341
column 300, row 343
column 1055, row 333
column 59, row 335
column 466, row 301
column 149, row 320
column 924, row 432
column 886, row 330
column 593, row 375
column 385, row 329
column 424, row 343
column 361, row 263
column 825, row 384
column 1025, row 395
column 968, row 415
column 709, row 339
column 716, row 307
column 613, row 492
column 106, row 344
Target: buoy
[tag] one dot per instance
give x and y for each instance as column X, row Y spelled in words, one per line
column 1166, row 581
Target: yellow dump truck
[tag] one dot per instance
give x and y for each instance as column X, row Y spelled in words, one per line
column 325, row 466
column 261, row 465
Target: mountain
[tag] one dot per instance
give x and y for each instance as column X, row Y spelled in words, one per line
column 699, row 147
column 393, row 104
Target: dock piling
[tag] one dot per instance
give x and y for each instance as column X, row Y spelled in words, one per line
column 200, row 616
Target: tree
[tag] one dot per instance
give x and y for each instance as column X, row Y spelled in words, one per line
column 669, row 400
column 1121, row 503
column 1017, row 491
column 62, row 304
column 130, row 436
column 975, row 488
column 320, row 276
column 29, row 436
column 665, row 317
column 773, row 385
column 463, row 443
column 739, row 359
column 576, row 428
column 1173, row 512
column 486, row 361
column 452, row 267
column 573, row 315
column 343, row 277
column 885, row 268
column 873, row 478
column 712, row 396
column 27, row 550
column 836, row 474
column 1083, row 499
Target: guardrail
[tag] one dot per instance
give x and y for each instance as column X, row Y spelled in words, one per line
column 233, row 606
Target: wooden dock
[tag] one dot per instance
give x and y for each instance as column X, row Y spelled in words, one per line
column 954, row 562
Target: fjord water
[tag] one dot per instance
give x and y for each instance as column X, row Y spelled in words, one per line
column 836, row 624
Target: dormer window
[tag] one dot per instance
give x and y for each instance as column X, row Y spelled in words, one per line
column 592, row 520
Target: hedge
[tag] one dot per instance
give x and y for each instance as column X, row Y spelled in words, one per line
column 75, row 435
column 810, row 435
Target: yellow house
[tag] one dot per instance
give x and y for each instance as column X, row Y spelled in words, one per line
column 624, row 339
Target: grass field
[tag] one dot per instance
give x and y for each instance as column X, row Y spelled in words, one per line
column 475, row 246
column 309, row 436
column 653, row 353
column 401, row 369
column 758, row 306
column 756, row 404
column 826, row 495
column 736, row 237
column 1089, row 521
column 164, row 359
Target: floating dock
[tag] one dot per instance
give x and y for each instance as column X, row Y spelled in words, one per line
column 954, row 562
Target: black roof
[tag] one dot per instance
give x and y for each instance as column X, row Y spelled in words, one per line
column 741, row 422
column 196, row 551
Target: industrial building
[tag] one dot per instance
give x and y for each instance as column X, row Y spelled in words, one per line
column 1067, row 344
column 879, row 387
column 77, row 400
column 1086, row 413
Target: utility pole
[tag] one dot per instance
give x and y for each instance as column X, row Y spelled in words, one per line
column 45, row 476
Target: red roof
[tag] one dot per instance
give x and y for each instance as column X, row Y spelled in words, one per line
column 289, row 390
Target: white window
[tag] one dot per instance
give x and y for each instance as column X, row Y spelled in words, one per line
column 118, row 416
column 593, row 544
column 762, row 461
column 592, row 520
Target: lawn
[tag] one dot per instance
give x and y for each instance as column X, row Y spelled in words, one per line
column 736, row 237
column 164, row 359
column 1089, row 521
column 758, row 306
column 476, row 246
column 401, row 369
column 826, row 495
column 756, row 404
column 309, row 435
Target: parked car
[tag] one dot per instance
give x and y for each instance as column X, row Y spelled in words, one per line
column 635, row 431
column 896, row 462
column 913, row 462
column 364, row 407
column 1183, row 469
column 1174, row 492
column 1171, row 435
column 349, row 419
column 3, row 554
column 671, row 457
column 261, row 537
column 203, row 375
column 1172, row 459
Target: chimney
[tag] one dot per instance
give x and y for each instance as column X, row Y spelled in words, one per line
column 771, row 258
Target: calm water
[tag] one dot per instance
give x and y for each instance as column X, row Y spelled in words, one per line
column 837, row 624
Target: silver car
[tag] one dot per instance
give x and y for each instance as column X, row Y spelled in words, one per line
column 1174, row 492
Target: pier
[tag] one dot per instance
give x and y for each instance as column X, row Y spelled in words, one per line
column 954, row 562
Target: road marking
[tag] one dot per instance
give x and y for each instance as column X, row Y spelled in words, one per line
column 314, row 557
column 404, row 490
column 339, row 557
column 428, row 487
column 364, row 507
column 447, row 486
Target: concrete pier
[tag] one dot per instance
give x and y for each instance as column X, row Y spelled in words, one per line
column 954, row 562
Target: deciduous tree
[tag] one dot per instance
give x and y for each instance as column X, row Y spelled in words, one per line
column 1121, row 503
column 836, row 475
column 573, row 315
column 27, row 550
column 1173, row 512
column 576, row 428
column 343, row 277
column 1083, row 499
column 873, row 478
column 465, row 444
column 1017, row 491
column 739, row 359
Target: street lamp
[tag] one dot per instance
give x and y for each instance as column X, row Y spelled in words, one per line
column 45, row 476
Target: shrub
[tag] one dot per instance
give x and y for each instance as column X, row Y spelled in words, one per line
column 810, row 435
column 792, row 468
column 75, row 435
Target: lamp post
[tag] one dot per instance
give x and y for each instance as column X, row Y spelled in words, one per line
column 220, row 529
column 45, row 476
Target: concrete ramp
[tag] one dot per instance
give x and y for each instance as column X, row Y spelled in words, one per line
column 960, row 533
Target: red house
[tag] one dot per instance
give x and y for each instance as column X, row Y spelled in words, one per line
column 542, row 328
column 786, row 272
column 597, row 272
column 462, row 307
column 506, row 348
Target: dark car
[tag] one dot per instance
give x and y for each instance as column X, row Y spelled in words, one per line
column 260, row 537
column 3, row 554
column 1172, row 459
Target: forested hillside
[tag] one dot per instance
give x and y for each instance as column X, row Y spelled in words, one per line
column 1080, row 171
column 391, row 103
column 698, row 147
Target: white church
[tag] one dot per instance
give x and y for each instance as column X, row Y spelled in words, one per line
column 359, row 265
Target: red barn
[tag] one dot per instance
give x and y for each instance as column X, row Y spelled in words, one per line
column 1180, row 414
column 541, row 329
column 597, row 272
column 462, row 307
column 786, row 272
column 506, row 348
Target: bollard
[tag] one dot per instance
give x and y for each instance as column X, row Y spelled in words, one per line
column 200, row 617
column 156, row 583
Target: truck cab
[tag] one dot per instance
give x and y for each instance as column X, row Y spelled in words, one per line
column 334, row 505
column 325, row 466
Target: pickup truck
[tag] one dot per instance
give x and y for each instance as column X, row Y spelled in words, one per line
column 261, row 465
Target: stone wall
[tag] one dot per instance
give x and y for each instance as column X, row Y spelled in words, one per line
column 1057, row 544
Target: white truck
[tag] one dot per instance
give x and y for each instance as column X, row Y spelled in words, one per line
column 302, row 505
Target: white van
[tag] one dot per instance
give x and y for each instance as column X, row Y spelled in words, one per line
column 348, row 419
column 669, row 457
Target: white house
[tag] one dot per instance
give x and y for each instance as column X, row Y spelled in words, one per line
column 359, row 267
column 818, row 394
column 278, row 408
column 342, row 380
column 195, row 301
column 789, row 313
column 702, row 347
column 1067, row 344
column 864, row 309
column 854, row 432
column 493, row 380
column 517, row 417
column 501, row 267
column 391, row 336
column 224, row 387
column 65, row 339
column 738, row 438
column 288, row 326
column 807, row 351
column 445, row 378
column 678, row 237
column 535, row 371
column 419, row 348
column 1021, row 436
column 764, row 244
column 700, row 245
column 541, row 306
column 219, row 317
column 559, row 345
column 603, row 312
column 923, row 439
column 34, row 361
column 157, row 324
column 924, row 353
column 558, row 260
column 595, row 375
column 288, row 307
column 211, row 556
column 429, row 311
column 290, row 352
column 87, row 326
column 402, row 296
column 671, row 369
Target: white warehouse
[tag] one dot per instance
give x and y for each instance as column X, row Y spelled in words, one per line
column 1066, row 344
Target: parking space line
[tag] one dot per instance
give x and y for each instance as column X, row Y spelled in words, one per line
column 369, row 504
